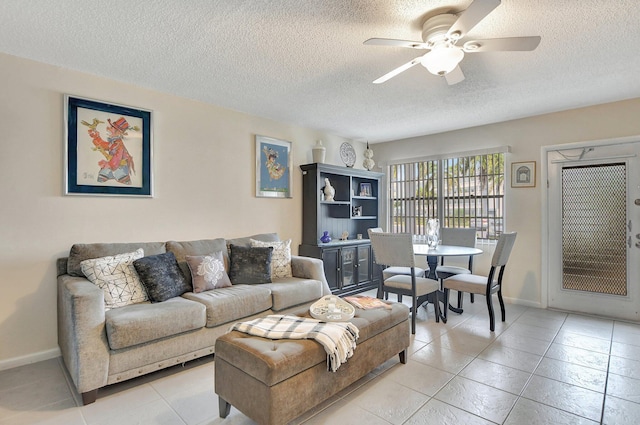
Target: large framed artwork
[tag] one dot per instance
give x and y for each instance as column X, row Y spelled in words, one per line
column 273, row 168
column 108, row 149
column 523, row 174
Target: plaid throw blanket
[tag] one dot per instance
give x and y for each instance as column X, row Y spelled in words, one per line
column 338, row 339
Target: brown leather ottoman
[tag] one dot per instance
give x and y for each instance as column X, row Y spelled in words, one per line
column 275, row 381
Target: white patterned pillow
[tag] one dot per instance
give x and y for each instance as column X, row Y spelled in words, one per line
column 280, row 258
column 207, row 272
column 117, row 277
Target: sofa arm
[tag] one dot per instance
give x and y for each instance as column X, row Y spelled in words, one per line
column 81, row 333
column 310, row 268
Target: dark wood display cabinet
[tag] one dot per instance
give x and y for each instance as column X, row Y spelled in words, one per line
column 348, row 264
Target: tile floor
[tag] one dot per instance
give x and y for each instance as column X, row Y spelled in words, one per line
column 539, row 367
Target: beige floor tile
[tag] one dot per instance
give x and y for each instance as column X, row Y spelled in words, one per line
column 441, row 358
column 476, row 398
column 626, row 332
column 345, row 413
column 570, row 373
column 419, row 377
column 623, row 387
column 620, row 412
column 496, row 375
column 522, row 343
column 531, row 331
column 436, row 412
column 194, row 406
column 550, row 323
column 388, row 400
column 578, row 356
column 589, row 326
column 61, row 413
column 462, row 342
column 112, row 405
column 624, row 367
column 531, row 413
column 33, row 394
column 586, row 342
column 154, row 413
column 628, row 351
column 511, row 357
column 570, row 398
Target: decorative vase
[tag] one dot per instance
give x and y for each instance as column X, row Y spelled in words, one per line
column 433, row 233
column 318, row 152
column 328, row 190
column 368, row 162
column 325, row 237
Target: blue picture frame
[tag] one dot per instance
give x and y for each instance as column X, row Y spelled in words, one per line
column 108, row 149
column 273, row 168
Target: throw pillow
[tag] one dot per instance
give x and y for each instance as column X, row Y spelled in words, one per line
column 208, row 272
column 250, row 265
column 117, row 277
column 280, row 259
column 161, row 276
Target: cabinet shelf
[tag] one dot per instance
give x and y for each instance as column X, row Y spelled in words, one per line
column 364, row 217
column 366, row 198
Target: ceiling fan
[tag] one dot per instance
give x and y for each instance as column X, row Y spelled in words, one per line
column 442, row 37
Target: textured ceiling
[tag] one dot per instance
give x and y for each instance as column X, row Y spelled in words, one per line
column 303, row 61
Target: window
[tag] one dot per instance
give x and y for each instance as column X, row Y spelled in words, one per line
column 466, row 191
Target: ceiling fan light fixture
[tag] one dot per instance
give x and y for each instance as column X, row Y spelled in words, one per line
column 442, row 60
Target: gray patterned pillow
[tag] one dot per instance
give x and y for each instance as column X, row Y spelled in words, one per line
column 250, row 265
column 117, row 277
column 280, row 258
column 208, row 272
column 161, row 276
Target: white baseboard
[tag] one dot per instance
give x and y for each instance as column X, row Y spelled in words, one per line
column 29, row 358
column 518, row 301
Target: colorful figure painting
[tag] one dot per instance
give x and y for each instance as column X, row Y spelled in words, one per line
column 273, row 172
column 108, row 149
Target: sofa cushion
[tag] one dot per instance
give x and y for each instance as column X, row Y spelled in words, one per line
column 207, row 272
column 161, row 276
column 197, row 247
column 246, row 241
column 140, row 323
column 117, row 278
column 280, row 259
column 250, row 265
column 80, row 252
column 233, row 303
column 291, row 291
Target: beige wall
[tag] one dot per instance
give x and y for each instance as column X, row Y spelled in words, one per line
column 204, row 173
column 204, row 184
column 523, row 205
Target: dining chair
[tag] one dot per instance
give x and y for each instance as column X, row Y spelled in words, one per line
column 396, row 250
column 485, row 285
column 458, row 237
column 394, row 270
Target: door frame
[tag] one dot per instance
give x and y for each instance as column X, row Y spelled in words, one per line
column 544, row 178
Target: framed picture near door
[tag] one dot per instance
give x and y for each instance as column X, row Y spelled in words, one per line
column 523, row 174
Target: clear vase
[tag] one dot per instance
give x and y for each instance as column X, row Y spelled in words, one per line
column 433, row 233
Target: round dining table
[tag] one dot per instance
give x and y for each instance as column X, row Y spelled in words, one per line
column 433, row 255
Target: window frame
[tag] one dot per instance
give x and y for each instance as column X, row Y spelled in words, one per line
column 485, row 236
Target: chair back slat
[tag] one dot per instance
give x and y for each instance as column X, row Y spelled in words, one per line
column 503, row 249
column 458, row 236
column 393, row 249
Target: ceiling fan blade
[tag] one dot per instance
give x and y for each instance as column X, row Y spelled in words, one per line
column 398, row 70
column 396, row 43
column 502, row 44
column 470, row 17
column 455, row 76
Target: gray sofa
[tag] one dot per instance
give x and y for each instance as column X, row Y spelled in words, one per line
column 101, row 347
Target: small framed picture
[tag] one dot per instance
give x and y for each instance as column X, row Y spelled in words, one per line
column 273, row 168
column 365, row 189
column 523, row 174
